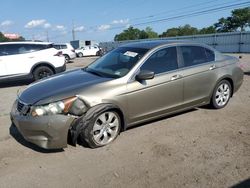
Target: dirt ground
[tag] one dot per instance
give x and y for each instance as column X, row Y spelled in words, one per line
column 198, row 148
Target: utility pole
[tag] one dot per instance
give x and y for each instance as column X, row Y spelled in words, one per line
column 73, row 30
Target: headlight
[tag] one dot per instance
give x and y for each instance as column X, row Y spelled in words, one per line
column 61, row 107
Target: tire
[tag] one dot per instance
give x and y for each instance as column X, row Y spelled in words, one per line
column 80, row 54
column 42, row 72
column 67, row 58
column 221, row 94
column 102, row 130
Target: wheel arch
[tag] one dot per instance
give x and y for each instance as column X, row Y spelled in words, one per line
column 43, row 63
column 80, row 123
column 230, row 80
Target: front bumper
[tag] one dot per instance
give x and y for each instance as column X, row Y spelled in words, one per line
column 48, row 132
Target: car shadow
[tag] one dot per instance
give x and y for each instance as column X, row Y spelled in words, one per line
column 15, row 83
column 247, row 73
column 243, row 184
column 19, row 138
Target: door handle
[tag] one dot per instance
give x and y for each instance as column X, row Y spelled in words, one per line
column 212, row 67
column 175, row 77
column 31, row 57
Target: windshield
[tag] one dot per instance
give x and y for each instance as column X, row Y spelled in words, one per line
column 117, row 63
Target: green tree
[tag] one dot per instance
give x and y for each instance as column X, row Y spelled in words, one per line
column 151, row 33
column 128, row 34
column 207, row 30
column 180, row 31
column 240, row 19
column 3, row 38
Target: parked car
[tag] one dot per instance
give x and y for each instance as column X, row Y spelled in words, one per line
column 29, row 60
column 67, row 50
column 88, row 51
column 132, row 84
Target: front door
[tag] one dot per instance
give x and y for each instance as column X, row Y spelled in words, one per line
column 163, row 93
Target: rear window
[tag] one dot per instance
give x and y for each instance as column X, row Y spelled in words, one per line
column 195, row 55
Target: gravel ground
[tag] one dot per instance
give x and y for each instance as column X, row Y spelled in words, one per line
column 198, row 148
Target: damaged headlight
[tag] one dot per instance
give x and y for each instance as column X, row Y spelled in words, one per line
column 72, row 105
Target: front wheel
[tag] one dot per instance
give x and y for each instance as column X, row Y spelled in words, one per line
column 102, row 130
column 221, row 94
column 42, row 72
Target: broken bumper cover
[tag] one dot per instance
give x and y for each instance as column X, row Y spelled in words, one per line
column 48, row 132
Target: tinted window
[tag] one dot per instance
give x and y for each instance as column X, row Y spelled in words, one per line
column 56, row 46
column 162, row 61
column 10, row 49
column 195, row 55
column 210, row 55
column 63, row 47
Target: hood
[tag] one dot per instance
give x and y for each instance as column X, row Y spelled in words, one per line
column 59, row 87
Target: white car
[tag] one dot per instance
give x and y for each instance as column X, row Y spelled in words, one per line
column 88, row 51
column 29, row 60
column 67, row 50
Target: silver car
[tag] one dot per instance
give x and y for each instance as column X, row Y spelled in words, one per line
column 132, row 84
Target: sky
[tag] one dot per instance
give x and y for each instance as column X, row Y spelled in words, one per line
column 101, row 20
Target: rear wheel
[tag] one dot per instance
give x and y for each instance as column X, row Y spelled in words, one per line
column 102, row 130
column 80, row 54
column 221, row 94
column 42, row 72
column 67, row 58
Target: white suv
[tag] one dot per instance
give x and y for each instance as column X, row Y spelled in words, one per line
column 67, row 50
column 29, row 60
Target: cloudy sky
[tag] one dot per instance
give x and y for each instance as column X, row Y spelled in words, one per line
column 100, row 20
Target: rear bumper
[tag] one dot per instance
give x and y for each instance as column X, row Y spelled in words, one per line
column 60, row 69
column 48, row 132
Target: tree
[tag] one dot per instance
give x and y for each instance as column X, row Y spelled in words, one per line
column 240, row 19
column 180, row 31
column 128, row 34
column 134, row 34
column 151, row 33
column 207, row 30
column 3, row 38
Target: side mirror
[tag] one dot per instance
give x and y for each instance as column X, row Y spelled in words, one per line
column 144, row 75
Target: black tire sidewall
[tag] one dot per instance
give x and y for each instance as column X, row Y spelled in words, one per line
column 213, row 101
column 39, row 69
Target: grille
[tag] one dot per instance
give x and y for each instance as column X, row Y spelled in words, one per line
column 22, row 108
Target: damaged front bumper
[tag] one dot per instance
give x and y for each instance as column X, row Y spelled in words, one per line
column 48, row 132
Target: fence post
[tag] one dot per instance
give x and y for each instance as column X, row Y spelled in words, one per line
column 240, row 42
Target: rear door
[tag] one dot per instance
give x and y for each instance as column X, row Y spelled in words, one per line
column 159, row 95
column 199, row 72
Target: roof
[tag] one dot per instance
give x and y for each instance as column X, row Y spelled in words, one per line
column 25, row 42
column 155, row 43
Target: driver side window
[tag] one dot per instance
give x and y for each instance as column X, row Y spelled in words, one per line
column 162, row 61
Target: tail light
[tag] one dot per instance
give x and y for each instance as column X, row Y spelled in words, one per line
column 59, row 53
